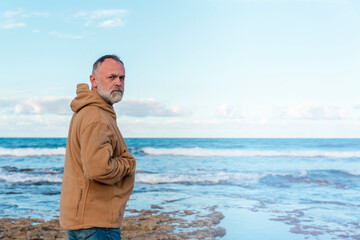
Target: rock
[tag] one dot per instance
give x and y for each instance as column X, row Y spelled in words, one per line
column 146, row 224
column 188, row 212
column 156, row 207
column 220, row 232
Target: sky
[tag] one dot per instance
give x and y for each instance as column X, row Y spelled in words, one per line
column 194, row 68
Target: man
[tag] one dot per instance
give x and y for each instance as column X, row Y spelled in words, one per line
column 99, row 171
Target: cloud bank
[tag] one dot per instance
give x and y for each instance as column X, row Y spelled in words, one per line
column 311, row 111
column 47, row 105
column 149, row 107
column 61, row 106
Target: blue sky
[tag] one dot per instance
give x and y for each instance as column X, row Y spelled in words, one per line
column 200, row 68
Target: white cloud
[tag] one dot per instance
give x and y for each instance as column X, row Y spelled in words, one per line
column 34, row 125
column 12, row 24
column 10, row 14
column 227, row 111
column 12, row 18
column 148, row 107
column 311, row 111
column 48, row 105
column 61, row 106
column 104, row 18
column 111, row 23
column 20, row 13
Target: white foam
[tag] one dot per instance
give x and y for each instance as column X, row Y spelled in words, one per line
column 24, row 152
column 354, row 173
column 23, row 178
column 195, row 177
column 198, row 178
column 204, row 152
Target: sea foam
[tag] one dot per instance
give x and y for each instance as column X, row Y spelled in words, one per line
column 204, row 152
column 201, row 178
column 23, row 178
column 236, row 178
column 27, row 152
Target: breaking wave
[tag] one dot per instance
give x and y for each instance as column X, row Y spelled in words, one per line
column 240, row 178
column 204, row 152
column 23, row 178
column 28, row 152
column 194, row 179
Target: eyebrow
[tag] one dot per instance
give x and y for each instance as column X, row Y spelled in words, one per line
column 116, row 75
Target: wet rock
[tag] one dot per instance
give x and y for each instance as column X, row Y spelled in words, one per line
column 220, row 232
column 188, row 212
column 26, row 228
column 156, row 207
column 301, row 230
column 145, row 224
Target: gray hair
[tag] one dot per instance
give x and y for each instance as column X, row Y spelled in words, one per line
column 102, row 59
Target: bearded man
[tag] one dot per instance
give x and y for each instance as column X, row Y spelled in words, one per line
column 99, row 171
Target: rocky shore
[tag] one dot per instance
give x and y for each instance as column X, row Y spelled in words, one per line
column 150, row 224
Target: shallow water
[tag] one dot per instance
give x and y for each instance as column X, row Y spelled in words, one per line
column 279, row 188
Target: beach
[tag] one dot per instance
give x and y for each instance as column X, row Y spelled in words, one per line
column 274, row 189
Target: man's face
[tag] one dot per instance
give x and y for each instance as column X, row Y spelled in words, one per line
column 108, row 80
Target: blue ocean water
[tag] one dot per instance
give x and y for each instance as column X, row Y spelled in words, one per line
column 266, row 188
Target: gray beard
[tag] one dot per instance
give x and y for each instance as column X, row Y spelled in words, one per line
column 111, row 98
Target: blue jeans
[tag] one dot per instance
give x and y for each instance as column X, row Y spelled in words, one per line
column 95, row 234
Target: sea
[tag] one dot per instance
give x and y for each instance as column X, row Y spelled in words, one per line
column 283, row 189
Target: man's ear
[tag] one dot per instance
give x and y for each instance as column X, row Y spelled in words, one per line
column 93, row 81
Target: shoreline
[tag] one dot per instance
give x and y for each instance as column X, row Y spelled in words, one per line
column 144, row 224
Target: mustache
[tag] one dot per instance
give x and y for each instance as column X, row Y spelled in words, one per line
column 118, row 89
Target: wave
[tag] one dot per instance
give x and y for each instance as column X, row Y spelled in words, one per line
column 52, row 171
column 203, row 178
column 204, row 152
column 191, row 152
column 23, row 178
column 316, row 177
column 354, row 173
column 28, row 152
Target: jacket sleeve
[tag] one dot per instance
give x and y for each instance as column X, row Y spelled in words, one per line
column 97, row 156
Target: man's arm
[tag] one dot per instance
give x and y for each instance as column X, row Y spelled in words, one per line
column 96, row 156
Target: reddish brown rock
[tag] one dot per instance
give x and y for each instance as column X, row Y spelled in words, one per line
column 146, row 224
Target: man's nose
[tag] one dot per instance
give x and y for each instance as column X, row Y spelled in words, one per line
column 119, row 82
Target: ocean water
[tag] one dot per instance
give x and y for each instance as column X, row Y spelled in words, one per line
column 266, row 188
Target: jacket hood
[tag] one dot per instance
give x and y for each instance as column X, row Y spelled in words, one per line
column 86, row 97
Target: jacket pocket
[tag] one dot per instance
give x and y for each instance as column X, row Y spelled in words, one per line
column 78, row 203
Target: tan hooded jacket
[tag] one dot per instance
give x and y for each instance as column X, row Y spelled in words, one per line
column 99, row 171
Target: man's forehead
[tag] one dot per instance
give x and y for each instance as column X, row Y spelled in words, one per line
column 110, row 65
